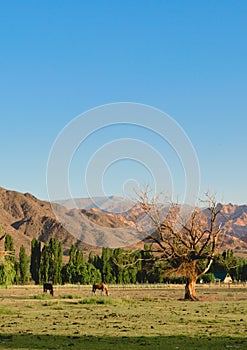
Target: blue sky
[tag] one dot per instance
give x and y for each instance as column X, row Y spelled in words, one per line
column 60, row 58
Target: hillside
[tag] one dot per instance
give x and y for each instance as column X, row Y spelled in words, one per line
column 235, row 220
column 25, row 217
column 234, row 217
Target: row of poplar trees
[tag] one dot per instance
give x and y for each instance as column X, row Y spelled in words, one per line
column 46, row 264
column 112, row 266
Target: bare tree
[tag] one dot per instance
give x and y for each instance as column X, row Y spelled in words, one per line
column 188, row 244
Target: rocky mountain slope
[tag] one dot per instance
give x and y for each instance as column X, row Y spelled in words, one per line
column 25, row 217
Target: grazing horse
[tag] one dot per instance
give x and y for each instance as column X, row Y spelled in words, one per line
column 101, row 286
column 48, row 286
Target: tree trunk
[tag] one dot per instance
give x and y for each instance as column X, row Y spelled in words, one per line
column 190, row 293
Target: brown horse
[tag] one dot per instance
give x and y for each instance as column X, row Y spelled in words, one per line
column 101, row 286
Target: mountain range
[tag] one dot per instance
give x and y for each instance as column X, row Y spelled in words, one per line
column 93, row 223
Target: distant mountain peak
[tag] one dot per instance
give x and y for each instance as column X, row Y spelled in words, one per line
column 110, row 204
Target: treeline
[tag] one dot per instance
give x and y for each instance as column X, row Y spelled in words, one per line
column 113, row 266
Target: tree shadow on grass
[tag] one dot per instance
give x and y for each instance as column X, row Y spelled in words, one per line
column 121, row 342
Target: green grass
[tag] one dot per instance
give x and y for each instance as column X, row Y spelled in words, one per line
column 42, row 296
column 30, row 341
column 71, row 296
column 101, row 300
column 49, row 303
column 6, row 311
column 147, row 299
column 151, row 319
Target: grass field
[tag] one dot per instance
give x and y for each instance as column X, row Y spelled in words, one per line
column 143, row 317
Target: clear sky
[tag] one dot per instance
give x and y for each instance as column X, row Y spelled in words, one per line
column 187, row 58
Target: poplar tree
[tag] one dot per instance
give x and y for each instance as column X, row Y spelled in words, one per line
column 9, row 247
column 107, row 270
column 23, row 265
column 55, row 263
column 51, row 262
column 45, row 264
column 35, row 260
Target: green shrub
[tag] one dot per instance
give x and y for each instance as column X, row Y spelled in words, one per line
column 207, row 278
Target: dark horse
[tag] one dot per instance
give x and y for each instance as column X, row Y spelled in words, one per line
column 101, row 286
column 48, row 286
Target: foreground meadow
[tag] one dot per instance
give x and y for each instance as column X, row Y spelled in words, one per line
column 150, row 317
